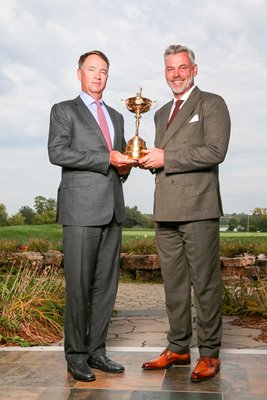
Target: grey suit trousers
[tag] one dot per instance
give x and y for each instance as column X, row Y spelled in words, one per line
column 91, row 267
column 189, row 253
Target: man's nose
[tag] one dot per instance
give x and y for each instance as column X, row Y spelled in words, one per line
column 176, row 72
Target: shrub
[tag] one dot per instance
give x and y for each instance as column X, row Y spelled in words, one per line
column 140, row 246
column 232, row 248
column 40, row 245
column 8, row 245
column 228, row 247
column 245, row 297
column 32, row 305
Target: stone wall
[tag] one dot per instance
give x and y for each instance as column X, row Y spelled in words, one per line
column 148, row 266
column 236, row 267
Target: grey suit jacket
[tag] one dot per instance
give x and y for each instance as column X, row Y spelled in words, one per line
column 187, row 188
column 90, row 190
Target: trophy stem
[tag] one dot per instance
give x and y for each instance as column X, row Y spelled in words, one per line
column 137, row 124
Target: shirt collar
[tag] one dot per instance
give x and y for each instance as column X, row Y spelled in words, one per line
column 186, row 95
column 87, row 99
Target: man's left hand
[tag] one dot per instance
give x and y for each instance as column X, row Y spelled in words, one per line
column 122, row 162
column 152, row 159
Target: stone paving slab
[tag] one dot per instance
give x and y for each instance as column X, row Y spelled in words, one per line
column 140, row 320
column 143, row 296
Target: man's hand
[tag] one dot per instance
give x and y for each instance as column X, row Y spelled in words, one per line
column 153, row 158
column 122, row 162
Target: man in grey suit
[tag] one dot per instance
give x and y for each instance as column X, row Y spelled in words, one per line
column 91, row 210
column 189, row 146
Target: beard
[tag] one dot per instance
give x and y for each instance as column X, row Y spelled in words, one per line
column 188, row 84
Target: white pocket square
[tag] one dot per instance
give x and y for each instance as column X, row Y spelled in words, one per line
column 194, row 119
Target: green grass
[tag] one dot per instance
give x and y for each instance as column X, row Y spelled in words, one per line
column 22, row 233
column 130, row 234
column 53, row 233
column 243, row 235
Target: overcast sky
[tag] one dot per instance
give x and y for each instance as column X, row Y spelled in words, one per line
column 41, row 41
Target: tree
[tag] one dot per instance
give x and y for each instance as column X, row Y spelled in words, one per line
column 133, row 217
column 150, row 224
column 48, row 217
column 3, row 215
column 260, row 211
column 28, row 214
column 17, row 219
column 42, row 204
column 45, row 210
column 233, row 223
column 259, row 219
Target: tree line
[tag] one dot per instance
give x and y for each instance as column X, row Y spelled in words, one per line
column 254, row 222
column 44, row 212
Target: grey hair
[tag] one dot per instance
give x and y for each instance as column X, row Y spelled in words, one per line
column 177, row 48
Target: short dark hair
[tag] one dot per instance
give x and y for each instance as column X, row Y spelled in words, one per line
column 89, row 53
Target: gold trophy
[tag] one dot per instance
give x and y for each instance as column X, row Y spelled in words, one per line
column 137, row 105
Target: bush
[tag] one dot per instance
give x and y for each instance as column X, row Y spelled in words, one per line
column 40, row 245
column 245, row 297
column 228, row 247
column 139, row 246
column 8, row 245
column 32, row 305
column 233, row 248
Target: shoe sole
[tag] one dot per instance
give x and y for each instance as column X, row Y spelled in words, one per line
column 107, row 370
column 175, row 364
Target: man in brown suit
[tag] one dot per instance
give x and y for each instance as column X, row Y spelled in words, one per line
column 188, row 150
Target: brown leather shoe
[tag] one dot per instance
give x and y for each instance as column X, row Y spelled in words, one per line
column 166, row 360
column 205, row 369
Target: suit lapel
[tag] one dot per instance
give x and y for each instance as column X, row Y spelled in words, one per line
column 88, row 116
column 161, row 123
column 182, row 116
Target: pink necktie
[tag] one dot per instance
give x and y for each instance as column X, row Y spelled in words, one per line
column 175, row 111
column 103, row 124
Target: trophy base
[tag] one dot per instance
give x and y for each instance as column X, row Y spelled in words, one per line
column 135, row 147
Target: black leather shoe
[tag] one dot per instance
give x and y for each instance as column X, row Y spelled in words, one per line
column 105, row 364
column 81, row 371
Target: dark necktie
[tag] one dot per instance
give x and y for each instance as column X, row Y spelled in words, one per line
column 175, row 111
column 103, row 124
